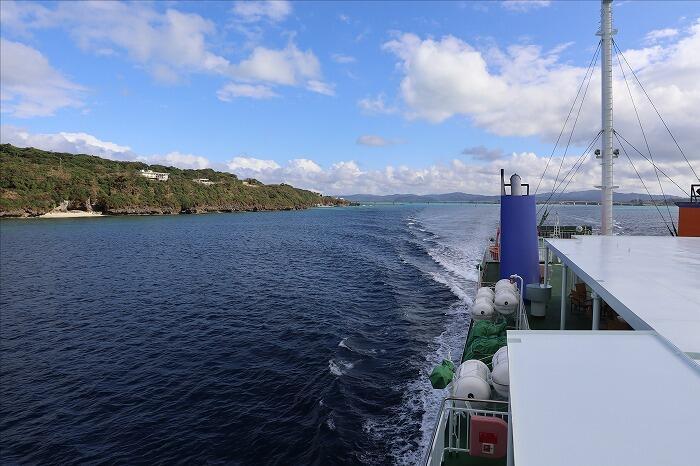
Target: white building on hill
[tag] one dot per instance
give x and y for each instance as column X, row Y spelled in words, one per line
column 151, row 175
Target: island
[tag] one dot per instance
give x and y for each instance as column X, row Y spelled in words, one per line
column 36, row 183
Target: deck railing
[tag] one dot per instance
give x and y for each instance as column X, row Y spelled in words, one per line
column 563, row 231
column 452, row 430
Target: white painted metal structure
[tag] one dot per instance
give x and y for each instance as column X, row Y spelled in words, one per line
column 653, row 282
column 606, row 33
column 602, row 398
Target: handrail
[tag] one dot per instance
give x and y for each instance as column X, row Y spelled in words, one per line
column 475, row 400
column 522, row 313
column 431, row 445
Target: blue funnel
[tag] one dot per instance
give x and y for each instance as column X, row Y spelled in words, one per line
column 519, row 246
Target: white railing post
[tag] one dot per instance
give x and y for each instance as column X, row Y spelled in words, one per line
column 564, row 289
column 510, row 451
column 521, row 306
column 596, row 311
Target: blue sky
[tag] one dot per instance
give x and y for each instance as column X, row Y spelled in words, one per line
column 340, row 96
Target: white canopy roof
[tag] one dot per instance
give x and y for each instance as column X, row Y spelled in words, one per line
column 653, row 282
column 602, row 398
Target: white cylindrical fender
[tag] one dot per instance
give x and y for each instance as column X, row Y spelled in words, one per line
column 506, row 301
column 485, row 291
column 484, row 299
column 482, row 310
column 504, row 283
column 470, row 387
column 473, row 367
column 500, row 377
column 500, row 356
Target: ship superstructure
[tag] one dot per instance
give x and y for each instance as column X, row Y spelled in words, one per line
column 582, row 349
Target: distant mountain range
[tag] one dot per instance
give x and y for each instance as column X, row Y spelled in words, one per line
column 591, row 195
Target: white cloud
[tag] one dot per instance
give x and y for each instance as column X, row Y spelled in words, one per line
column 169, row 45
column 74, row 143
column 172, row 44
column 348, row 177
column 285, row 66
column 288, row 66
column 376, row 105
column 232, row 90
column 83, row 143
column 89, row 140
column 341, row 58
column 250, row 164
column 22, row 17
column 320, row 87
column 253, row 11
column 520, row 91
column 344, row 18
column 524, row 5
column 305, row 165
column 375, row 141
column 177, row 159
column 660, row 34
column 484, row 153
column 30, row 86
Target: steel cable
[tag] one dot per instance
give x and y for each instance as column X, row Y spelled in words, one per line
column 594, row 60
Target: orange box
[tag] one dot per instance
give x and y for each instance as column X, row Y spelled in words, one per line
column 688, row 218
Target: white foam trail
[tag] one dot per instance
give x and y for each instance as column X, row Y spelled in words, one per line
column 419, row 396
column 339, row 368
column 452, row 285
column 456, row 258
column 363, row 352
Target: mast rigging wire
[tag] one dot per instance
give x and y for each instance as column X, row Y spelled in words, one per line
column 573, row 128
column 554, row 190
column 656, row 110
column 646, row 141
column 655, row 166
column 651, row 198
column 577, row 166
column 594, row 60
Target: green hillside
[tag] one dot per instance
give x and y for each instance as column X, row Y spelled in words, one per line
column 33, row 182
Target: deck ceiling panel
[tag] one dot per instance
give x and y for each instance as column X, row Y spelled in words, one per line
column 604, row 398
column 653, row 282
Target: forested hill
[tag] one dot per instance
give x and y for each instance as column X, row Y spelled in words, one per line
column 33, row 182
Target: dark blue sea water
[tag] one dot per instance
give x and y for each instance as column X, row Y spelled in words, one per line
column 258, row 338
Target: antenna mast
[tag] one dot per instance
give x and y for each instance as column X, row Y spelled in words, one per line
column 606, row 32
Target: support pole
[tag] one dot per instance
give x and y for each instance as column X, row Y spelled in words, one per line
column 606, row 188
column 564, row 296
column 596, row 311
column 510, row 460
column 546, row 266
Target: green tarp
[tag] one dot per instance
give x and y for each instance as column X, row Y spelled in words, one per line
column 484, row 340
column 442, row 374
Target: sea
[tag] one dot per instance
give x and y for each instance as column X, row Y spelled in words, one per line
column 245, row 338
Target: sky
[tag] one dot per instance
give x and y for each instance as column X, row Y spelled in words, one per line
column 356, row 97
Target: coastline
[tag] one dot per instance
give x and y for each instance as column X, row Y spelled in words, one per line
column 148, row 212
column 70, row 214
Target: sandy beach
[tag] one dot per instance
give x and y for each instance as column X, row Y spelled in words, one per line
column 71, row 214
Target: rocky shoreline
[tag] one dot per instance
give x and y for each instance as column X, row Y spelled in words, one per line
column 64, row 210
